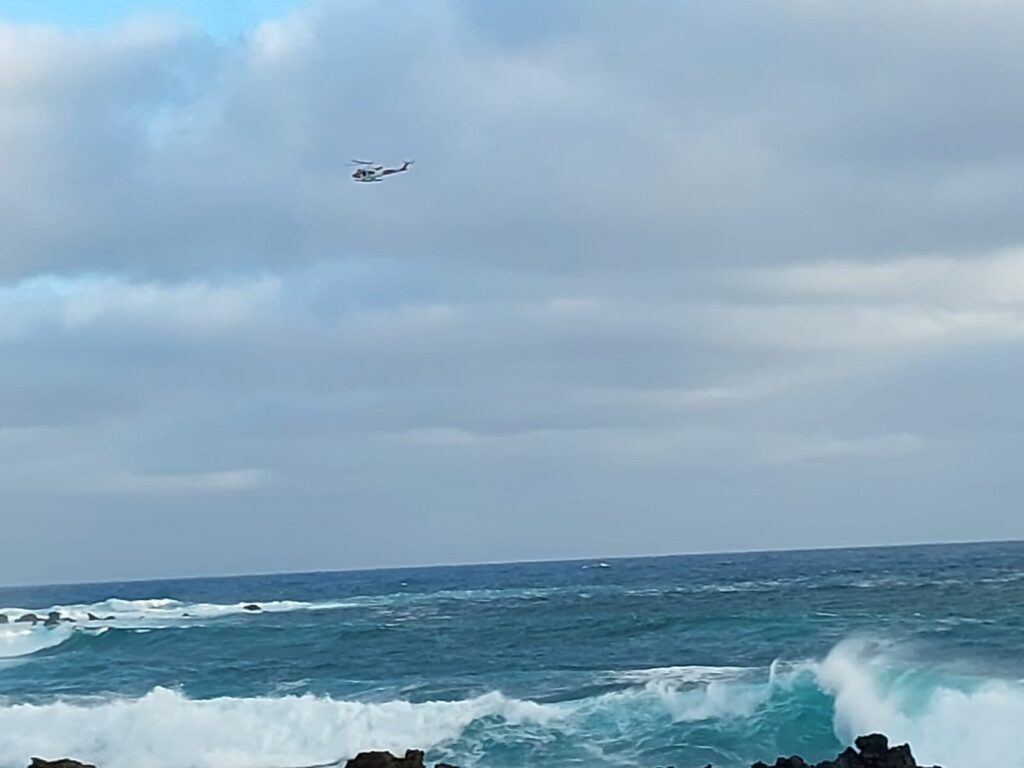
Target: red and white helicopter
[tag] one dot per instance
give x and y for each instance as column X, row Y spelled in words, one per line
column 371, row 171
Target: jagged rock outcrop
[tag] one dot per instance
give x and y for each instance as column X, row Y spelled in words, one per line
column 872, row 752
column 413, row 759
column 38, row 762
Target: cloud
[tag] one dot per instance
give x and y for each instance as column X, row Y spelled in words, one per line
column 654, row 265
column 231, row 480
column 986, row 280
column 163, row 152
column 77, row 305
column 665, row 447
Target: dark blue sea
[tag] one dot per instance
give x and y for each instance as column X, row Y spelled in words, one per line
column 682, row 661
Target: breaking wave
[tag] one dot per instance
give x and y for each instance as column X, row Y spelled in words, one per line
column 954, row 720
column 16, row 642
column 737, row 714
column 164, row 729
column 155, row 611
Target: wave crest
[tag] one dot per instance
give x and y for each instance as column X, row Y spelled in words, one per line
column 165, row 729
column 951, row 720
column 16, row 642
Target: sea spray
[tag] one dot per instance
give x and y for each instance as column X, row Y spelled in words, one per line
column 667, row 661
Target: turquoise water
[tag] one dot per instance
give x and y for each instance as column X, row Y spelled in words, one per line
column 684, row 660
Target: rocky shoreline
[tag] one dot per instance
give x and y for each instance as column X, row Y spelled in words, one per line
column 871, row 752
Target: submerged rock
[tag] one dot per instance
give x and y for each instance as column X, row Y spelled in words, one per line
column 94, row 617
column 38, row 762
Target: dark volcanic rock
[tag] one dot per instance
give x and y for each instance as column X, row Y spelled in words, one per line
column 251, row 607
column 3, row 618
column 872, row 747
column 413, row 759
column 94, row 617
column 53, row 618
column 872, row 752
column 28, row 617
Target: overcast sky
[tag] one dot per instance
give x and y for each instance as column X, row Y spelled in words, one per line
column 666, row 277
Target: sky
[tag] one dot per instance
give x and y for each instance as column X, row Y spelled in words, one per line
column 666, row 277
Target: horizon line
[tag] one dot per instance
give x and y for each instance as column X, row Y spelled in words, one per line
column 537, row 561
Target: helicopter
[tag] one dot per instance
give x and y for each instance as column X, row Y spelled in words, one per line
column 371, row 171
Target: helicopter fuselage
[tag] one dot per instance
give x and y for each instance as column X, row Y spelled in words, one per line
column 369, row 173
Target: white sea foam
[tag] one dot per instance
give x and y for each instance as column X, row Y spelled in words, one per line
column 19, row 639
column 714, row 701
column 679, row 675
column 948, row 719
column 164, row 611
column 164, row 729
column 157, row 611
column 958, row 723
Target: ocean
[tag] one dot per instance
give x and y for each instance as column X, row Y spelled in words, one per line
column 683, row 661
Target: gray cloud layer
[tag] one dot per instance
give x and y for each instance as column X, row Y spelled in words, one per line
column 668, row 277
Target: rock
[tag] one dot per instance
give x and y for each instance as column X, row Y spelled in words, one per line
column 38, row 762
column 94, row 617
column 900, row 757
column 251, row 607
column 873, row 746
column 413, row 759
column 27, row 618
column 873, row 751
column 3, row 618
column 52, row 619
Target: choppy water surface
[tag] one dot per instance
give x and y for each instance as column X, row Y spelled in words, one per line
column 687, row 660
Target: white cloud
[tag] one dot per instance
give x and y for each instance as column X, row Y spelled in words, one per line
column 674, row 398
column 970, row 280
column 662, row 447
column 82, row 304
column 843, row 327
column 220, row 481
